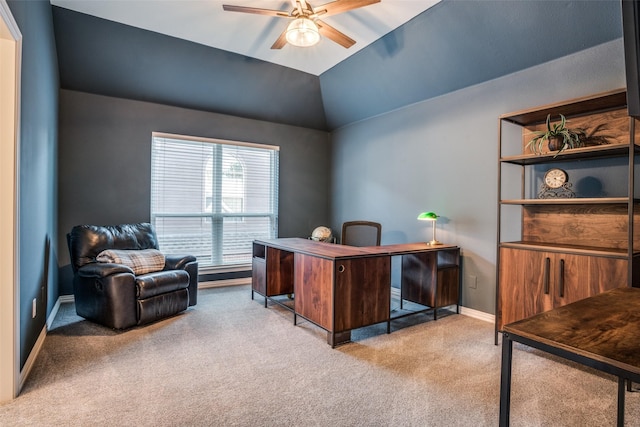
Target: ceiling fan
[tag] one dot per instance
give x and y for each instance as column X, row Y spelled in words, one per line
column 306, row 27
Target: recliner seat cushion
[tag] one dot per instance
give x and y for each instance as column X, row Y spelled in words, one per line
column 161, row 282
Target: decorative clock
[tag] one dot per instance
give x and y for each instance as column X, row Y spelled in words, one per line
column 556, row 185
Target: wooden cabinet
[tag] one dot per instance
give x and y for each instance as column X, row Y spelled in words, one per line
column 534, row 281
column 431, row 279
column 344, row 294
column 272, row 271
column 554, row 249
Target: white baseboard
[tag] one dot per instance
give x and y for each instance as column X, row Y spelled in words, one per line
column 470, row 312
column 33, row 355
column 476, row 314
column 66, row 298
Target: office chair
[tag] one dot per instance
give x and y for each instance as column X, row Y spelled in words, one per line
column 361, row 233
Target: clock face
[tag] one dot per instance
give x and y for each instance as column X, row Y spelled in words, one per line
column 555, row 178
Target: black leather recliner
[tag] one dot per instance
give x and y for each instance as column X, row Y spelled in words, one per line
column 111, row 294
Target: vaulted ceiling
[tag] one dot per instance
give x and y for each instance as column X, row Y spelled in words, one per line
column 449, row 46
column 207, row 23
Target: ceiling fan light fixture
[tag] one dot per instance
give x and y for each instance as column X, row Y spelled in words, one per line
column 303, row 32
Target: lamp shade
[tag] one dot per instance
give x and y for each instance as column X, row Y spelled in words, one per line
column 427, row 216
column 303, row 32
column 430, row 216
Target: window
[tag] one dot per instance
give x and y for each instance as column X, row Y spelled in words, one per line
column 212, row 198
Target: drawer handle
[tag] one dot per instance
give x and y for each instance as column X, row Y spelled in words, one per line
column 341, row 268
column 547, row 263
column 561, row 279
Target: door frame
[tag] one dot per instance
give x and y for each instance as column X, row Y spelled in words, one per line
column 10, row 72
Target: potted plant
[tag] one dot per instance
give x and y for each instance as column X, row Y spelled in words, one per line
column 589, row 138
column 558, row 137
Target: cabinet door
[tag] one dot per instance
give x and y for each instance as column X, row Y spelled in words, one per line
column 570, row 278
column 362, row 292
column 581, row 276
column 419, row 278
column 525, row 284
column 448, row 287
column 607, row 273
column 259, row 275
column 279, row 273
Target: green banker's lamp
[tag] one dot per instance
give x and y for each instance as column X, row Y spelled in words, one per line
column 430, row 216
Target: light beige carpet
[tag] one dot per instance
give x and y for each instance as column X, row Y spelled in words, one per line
column 230, row 362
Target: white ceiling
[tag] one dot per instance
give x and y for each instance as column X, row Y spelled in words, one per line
column 204, row 22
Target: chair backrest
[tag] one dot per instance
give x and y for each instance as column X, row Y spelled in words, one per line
column 87, row 241
column 361, row 233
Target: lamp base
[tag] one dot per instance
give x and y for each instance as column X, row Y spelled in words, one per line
column 434, row 243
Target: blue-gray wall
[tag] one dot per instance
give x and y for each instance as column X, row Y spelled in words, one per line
column 441, row 155
column 459, row 43
column 37, row 163
column 108, row 58
column 105, row 162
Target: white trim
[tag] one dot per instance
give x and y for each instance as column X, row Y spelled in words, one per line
column 212, row 140
column 11, row 39
column 53, row 314
column 35, row 351
column 476, row 314
column 66, row 298
column 33, row 355
column 224, row 282
column 466, row 311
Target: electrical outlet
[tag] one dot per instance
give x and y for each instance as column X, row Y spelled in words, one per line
column 33, row 309
column 472, row 281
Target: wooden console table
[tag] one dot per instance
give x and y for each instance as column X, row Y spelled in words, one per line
column 602, row 332
column 340, row 288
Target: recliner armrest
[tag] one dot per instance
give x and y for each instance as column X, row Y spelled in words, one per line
column 177, row 262
column 102, row 269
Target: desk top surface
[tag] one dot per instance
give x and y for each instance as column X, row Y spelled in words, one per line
column 604, row 327
column 332, row 250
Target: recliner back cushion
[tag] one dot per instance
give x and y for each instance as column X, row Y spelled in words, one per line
column 87, row 241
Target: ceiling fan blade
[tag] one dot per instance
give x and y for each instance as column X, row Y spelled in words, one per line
column 255, row 10
column 340, row 6
column 281, row 41
column 331, row 33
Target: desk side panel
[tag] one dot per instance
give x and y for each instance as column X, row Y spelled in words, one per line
column 259, row 275
column 419, row 278
column 313, row 286
column 279, row 266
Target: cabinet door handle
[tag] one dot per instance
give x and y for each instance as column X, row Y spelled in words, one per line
column 547, row 264
column 561, row 279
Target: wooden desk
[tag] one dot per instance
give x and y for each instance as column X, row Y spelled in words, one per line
column 602, row 332
column 341, row 288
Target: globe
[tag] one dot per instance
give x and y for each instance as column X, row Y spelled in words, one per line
column 321, row 234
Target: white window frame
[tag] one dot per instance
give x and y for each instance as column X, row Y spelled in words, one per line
column 217, row 217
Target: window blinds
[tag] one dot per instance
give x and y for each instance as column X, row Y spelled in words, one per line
column 211, row 198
